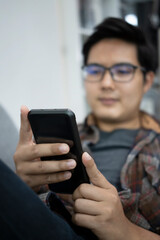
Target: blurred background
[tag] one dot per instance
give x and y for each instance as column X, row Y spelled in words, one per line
column 40, row 50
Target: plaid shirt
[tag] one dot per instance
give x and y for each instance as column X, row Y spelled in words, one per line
column 140, row 175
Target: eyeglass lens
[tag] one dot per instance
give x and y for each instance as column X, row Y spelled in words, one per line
column 119, row 72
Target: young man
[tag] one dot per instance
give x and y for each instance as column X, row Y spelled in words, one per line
column 119, row 67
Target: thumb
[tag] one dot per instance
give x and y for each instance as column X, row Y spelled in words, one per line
column 95, row 176
column 25, row 129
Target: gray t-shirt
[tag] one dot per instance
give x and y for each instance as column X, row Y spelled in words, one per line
column 111, row 151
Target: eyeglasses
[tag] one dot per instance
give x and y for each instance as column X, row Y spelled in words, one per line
column 121, row 72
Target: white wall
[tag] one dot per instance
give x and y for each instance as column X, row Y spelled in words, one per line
column 39, row 61
column 111, row 8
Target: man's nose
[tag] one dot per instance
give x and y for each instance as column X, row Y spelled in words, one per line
column 107, row 80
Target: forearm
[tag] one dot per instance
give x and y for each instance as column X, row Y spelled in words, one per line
column 128, row 231
column 137, row 233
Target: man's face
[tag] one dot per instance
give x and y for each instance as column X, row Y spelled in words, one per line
column 110, row 101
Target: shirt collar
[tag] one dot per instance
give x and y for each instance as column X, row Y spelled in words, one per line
column 147, row 121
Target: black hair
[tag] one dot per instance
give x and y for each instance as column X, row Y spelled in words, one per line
column 118, row 28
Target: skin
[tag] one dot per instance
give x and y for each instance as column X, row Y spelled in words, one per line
column 27, row 158
column 116, row 105
column 96, row 206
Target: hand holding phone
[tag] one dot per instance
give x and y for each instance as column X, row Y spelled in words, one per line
column 59, row 126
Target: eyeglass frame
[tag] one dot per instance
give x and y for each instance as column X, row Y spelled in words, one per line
column 111, row 74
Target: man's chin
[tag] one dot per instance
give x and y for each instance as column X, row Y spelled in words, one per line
column 108, row 118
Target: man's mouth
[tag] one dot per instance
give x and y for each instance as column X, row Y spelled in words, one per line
column 108, row 101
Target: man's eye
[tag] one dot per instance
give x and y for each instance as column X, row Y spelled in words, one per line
column 94, row 71
column 123, row 71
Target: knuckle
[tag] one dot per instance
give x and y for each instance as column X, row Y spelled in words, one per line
column 48, row 179
column 109, row 213
column 115, row 199
column 59, row 177
column 61, row 165
column 81, row 188
column 101, row 219
column 96, row 175
column 76, row 204
column 41, row 166
column 114, row 190
column 95, row 223
column 26, row 179
column 34, row 151
column 19, row 169
column 18, row 153
column 16, row 157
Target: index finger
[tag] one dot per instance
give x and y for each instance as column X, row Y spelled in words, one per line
column 25, row 129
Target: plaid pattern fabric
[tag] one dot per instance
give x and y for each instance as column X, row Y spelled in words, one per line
column 140, row 176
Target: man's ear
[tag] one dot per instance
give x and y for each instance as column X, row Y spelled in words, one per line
column 148, row 81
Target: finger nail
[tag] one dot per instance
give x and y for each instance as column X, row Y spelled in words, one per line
column 63, row 148
column 87, row 156
column 71, row 163
column 67, row 175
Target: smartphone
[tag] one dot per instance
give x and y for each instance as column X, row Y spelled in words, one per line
column 59, row 126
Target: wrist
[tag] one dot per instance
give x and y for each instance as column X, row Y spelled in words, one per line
column 134, row 232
